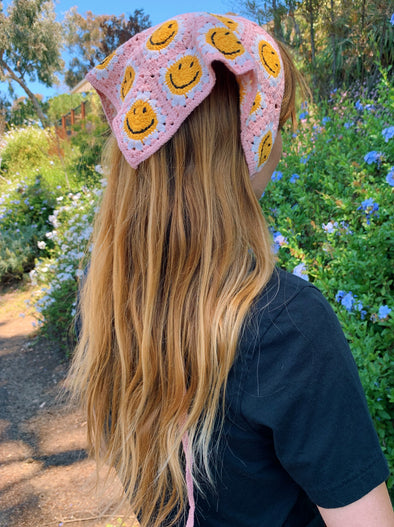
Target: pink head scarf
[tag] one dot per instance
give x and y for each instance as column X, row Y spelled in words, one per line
column 150, row 84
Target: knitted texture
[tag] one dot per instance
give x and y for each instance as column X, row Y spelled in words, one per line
column 150, row 84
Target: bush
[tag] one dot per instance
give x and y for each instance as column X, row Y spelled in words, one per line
column 71, row 224
column 25, row 148
column 24, row 219
column 87, row 142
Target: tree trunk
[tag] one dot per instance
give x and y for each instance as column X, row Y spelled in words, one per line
column 333, row 45
column 277, row 21
column 312, row 35
column 297, row 30
column 30, row 94
column 362, row 39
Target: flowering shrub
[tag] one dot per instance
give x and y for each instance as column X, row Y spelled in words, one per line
column 25, row 207
column 71, row 224
column 24, row 148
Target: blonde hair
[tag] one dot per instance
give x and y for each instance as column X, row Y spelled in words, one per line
column 181, row 250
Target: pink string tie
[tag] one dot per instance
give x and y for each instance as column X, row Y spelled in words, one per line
column 189, row 479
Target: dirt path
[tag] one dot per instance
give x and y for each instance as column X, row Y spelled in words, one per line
column 45, row 478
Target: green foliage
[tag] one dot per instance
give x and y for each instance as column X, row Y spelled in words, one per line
column 24, row 220
column 30, row 45
column 17, row 253
column 71, row 222
column 24, row 112
column 30, row 40
column 337, row 43
column 87, row 142
column 62, row 104
column 336, row 220
column 24, row 148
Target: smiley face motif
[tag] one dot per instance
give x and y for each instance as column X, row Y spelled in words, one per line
column 227, row 21
column 264, row 149
column 140, row 121
column 256, row 103
column 127, row 82
column 183, row 75
column 163, row 36
column 106, row 61
column 225, row 41
column 269, row 58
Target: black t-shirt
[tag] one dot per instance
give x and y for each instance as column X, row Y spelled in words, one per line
column 297, row 430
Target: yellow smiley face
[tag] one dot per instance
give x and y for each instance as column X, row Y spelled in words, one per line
column 106, row 61
column 141, row 120
column 225, row 41
column 230, row 23
column 163, row 36
column 183, row 75
column 256, row 103
column 265, row 148
column 269, row 58
column 127, row 82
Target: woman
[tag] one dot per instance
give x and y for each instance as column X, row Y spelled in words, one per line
column 209, row 377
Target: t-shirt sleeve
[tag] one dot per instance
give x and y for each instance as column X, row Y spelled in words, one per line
column 304, row 385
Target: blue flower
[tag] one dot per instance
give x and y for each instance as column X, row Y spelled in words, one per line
column 358, row 105
column 300, row 271
column 392, row 19
column 339, row 295
column 388, row 133
column 348, row 301
column 369, row 206
column 325, row 120
column 359, row 307
column 304, row 159
column 348, row 124
column 345, row 228
column 279, row 241
column 303, row 114
column 330, row 227
column 304, row 104
column 277, row 175
column 390, row 177
column 383, row 312
column 294, row 178
column 373, row 157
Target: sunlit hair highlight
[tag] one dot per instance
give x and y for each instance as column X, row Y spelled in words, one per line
column 181, row 250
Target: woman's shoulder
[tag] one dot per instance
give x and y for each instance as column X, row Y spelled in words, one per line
column 289, row 298
column 290, row 334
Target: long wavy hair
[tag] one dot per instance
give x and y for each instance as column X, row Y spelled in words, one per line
column 181, row 250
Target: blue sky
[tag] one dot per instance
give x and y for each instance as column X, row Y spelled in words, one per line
column 158, row 10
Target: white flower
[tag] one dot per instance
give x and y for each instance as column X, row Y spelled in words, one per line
column 41, row 245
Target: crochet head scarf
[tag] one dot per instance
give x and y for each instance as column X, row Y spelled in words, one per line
column 150, row 84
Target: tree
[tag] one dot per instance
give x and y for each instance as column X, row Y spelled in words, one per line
column 23, row 110
column 94, row 37
column 30, row 46
column 265, row 12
